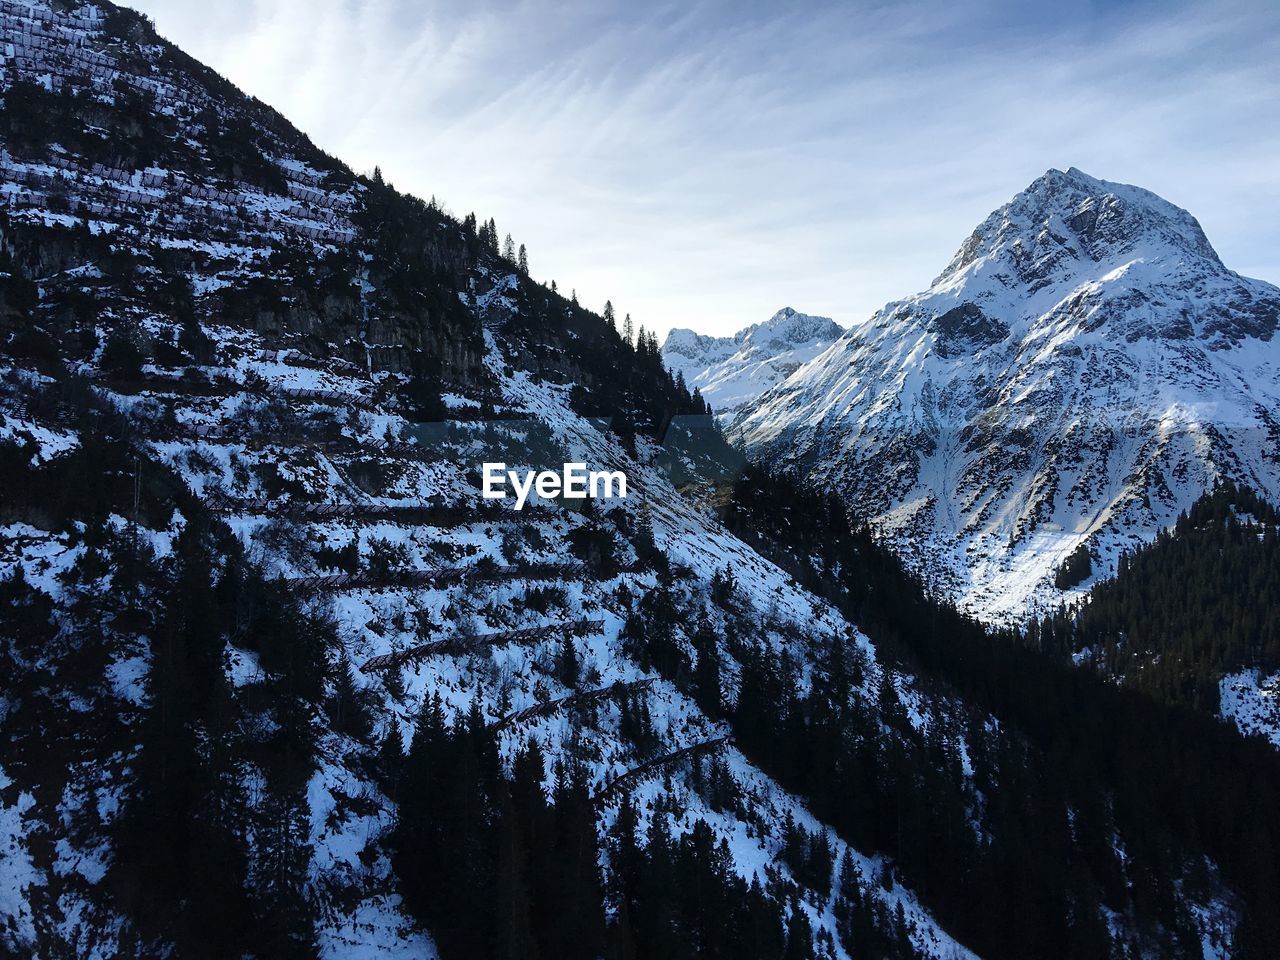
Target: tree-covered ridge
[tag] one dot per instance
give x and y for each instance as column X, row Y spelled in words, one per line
column 1202, row 601
column 206, row 765
column 197, row 204
column 211, row 847
column 1074, row 767
column 209, row 757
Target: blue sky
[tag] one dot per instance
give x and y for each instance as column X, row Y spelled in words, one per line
column 703, row 164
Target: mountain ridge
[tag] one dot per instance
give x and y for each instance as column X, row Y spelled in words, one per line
column 731, row 371
column 1081, row 323
column 280, row 683
column 240, row 416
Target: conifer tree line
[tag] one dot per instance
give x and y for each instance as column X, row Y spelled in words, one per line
column 617, row 370
column 643, row 343
column 1078, row 761
column 1201, row 601
column 198, row 867
column 498, row 865
column 616, row 376
column 1080, row 804
column 485, row 234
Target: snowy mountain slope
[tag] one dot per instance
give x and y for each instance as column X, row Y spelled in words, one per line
column 730, row 372
column 266, row 338
column 1079, row 373
column 237, row 470
column 244, row 409
column 1249, row 700
column 1192, row 619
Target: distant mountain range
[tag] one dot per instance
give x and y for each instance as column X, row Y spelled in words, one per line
column 731, row 372
column 1080, row 372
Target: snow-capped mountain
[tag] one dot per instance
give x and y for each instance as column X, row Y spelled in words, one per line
column 251, row 599
column 730, row 372
column 1080, row 372
column 278, row 681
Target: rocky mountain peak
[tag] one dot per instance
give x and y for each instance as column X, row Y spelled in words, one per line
column 789, row 327
column 732, row 370
column 1071, row 219
column 1083, row 370
column 690, row 344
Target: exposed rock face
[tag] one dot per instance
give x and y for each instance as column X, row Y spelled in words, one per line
column 1082, row 370
column 175, row 173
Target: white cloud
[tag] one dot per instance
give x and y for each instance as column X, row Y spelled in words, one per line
column 703, row 164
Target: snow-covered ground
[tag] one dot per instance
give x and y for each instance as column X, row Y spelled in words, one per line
column 359, row 910
column 1252, row 702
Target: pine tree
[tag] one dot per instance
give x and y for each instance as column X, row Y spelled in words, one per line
column 191, row 889
column 657, row 914
column 568, row 667
column 348, row 710
column 391, row 756
column 706, row 671
column 577, row 928
column 523, row 261
column 799, row 936
column 628, row 332
column 608, row 314
column 512, row 906
column 819, row 864
column 509, row 249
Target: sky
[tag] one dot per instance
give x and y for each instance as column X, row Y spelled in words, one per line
column 703, row 164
